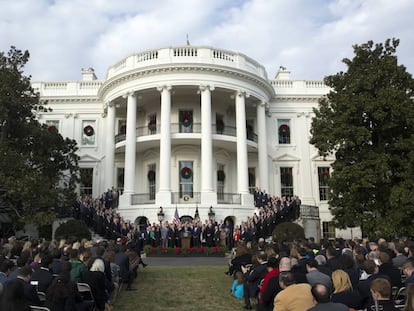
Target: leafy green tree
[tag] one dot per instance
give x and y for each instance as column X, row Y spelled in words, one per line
column 38, row 167
column 367, row 122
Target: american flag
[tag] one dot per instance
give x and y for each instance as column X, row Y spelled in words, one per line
column 176, row 219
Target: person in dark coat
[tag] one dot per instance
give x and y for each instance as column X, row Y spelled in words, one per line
column 321, row 295
column 242, row 258
column 122, row 260
column 95, row 278
column 344, row 292
column 12, row 299
column 386, row 267
column 381, row 292
column 29, row 291
column 364, row 286
column 253, row 277
column 43, row 275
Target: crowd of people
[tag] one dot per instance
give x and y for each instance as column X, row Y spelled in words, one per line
column 332, row 275
column 39, row 269
column 102, row 216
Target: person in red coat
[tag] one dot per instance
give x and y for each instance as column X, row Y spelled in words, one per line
column 272, row 272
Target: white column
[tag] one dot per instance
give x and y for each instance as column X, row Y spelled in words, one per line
column 208, row 197
column 164, row 193
column 206, row 140
column 262, row 147
column 242, row 163
column 131, row 141
column 110, row 147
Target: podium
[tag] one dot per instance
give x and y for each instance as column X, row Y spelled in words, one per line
column 186, row 239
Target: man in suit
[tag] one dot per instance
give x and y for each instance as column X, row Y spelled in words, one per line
column 5, row 266
column 29, row 291
column 42, row 274
column 293, row 297
column 122, row 260
column 321, row 296
column 371, row 269
column 314, row 276
column 252, row 279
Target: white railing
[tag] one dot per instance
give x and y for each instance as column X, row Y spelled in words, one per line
column 187, row 54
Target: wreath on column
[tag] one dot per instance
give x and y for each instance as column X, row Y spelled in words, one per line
column 88, row 130
column 152, row 125
column 186, row 172
column 151, row 175
column 186, row 119
column 221, row 175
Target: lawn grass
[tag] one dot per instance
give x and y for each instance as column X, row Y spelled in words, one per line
column 180, row 288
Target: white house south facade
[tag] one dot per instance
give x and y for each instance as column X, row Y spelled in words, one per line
column 192, row 128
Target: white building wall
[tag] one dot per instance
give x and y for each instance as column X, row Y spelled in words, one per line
column 227, row 72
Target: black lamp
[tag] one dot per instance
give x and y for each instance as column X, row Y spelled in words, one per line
column 197, row 215
column 160, row 215
column 211, row 214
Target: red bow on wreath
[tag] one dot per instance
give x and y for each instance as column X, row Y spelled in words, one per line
column 186, row 173
column 88, row 130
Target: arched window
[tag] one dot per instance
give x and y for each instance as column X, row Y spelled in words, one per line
column 284, row 132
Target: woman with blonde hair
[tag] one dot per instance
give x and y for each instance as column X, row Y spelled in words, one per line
column 344, row 292
column 409, row 297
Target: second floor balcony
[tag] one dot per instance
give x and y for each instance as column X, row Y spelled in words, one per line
column 178, row 128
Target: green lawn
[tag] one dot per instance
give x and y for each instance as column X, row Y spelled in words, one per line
column 179, row 288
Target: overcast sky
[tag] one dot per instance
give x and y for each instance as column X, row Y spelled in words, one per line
column 309, row 37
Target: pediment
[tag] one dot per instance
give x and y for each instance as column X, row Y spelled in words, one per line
column 317, row 157
column 88, row 158
column 286, row 157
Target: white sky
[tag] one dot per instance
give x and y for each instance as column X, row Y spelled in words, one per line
column 309, row 37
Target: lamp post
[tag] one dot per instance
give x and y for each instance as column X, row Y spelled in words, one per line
column 160, row 215
column 196, row 215
column 211, row 214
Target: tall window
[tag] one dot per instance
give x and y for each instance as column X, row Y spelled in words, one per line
column 88, row 132
column 221, row 177
column 122, row 127
column 86, row 181
column 53, row 125
column 219, row 123
column 186, row 179
column 151, row 181
column 249, row 130
column 120, row 173
column 323, row 177
column 252, row 179
column 286, row 181
column 283, row 126
column 328, row 230
column 152, row 124
column 186, row 121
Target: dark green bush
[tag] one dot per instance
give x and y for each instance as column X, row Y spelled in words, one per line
column 288, row 232
column 73, row 230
